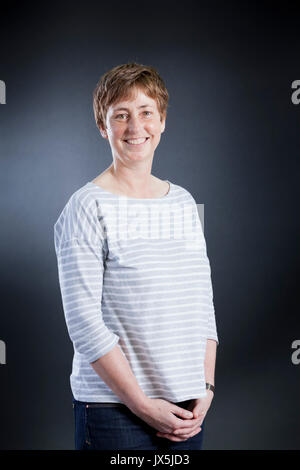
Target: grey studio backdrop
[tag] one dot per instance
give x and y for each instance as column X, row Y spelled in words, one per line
column 232, row 139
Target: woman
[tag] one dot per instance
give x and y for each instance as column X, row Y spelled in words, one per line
column 135, row 284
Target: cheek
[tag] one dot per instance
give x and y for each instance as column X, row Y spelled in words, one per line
column 154, row 128
column 115, row 132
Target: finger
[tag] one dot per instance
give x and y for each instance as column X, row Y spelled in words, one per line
column 198, row 419
column 197, row 430
column 183, row 413
column 191, row 434
column 189, row 425
column 171, row 437
column 185, row 431
column 185, row 437
column 198, row 413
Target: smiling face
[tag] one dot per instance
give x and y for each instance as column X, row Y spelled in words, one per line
column 133, row 127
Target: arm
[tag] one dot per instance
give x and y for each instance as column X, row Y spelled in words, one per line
column 212, row 333
column 200, row 406
column 114, row 369
column 80, row 248
column 212, row 340
column 80, row 272
column 81, row 251
column 210, row 361
column 116, row 372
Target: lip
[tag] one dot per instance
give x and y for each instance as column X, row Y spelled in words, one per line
column 137, row 145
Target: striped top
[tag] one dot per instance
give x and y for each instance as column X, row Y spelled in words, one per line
column 135, row 272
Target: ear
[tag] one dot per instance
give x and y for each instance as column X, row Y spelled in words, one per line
column 103, row 132
column 163, row 124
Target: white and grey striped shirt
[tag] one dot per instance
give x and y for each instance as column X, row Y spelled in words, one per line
column 135, row 272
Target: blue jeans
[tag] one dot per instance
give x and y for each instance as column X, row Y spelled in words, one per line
column 117, row 428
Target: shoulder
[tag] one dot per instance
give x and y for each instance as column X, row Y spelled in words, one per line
column 185, row 194
column 78, row 216
column 78, row 199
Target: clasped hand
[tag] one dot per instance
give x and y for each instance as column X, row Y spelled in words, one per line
column 199, row 408
column 173, row 422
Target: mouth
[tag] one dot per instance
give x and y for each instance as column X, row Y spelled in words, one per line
column 137, row 142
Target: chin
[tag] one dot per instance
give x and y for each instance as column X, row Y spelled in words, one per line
column 137, row 156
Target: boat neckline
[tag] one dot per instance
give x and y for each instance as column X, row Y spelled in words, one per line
column 134, row 198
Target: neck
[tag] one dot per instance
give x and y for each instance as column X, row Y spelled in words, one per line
column 135, row 180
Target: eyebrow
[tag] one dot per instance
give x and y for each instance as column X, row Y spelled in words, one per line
column 126, row 109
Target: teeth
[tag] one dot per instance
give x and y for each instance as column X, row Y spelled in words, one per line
column 136, row 141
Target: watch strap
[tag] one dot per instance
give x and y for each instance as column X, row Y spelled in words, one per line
column 210, row 387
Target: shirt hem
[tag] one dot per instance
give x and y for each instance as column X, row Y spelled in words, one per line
column 87, row 399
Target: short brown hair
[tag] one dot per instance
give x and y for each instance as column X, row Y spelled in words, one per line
column 119, row 82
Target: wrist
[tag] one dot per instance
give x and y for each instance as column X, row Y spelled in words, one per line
column 140, row 406
column 210, row 387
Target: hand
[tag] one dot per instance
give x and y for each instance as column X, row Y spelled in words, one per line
column 199, row 407
column 160, row 414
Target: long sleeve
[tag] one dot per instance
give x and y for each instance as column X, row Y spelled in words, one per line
column 211, row 323
column 80, row 249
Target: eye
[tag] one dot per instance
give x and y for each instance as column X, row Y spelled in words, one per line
column 120, row 116
column 149, row 113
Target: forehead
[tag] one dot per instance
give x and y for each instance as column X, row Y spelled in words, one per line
column 136, row 98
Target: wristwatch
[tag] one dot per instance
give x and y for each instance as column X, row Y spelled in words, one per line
column 210, row 387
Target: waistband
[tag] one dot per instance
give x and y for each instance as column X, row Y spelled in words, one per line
column 115, row 404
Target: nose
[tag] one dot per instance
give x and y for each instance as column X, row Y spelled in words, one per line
column 134, row 125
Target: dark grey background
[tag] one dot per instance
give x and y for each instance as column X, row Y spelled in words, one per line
column 232, row 139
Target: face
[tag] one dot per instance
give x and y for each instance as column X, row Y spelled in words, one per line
column 133, row 127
